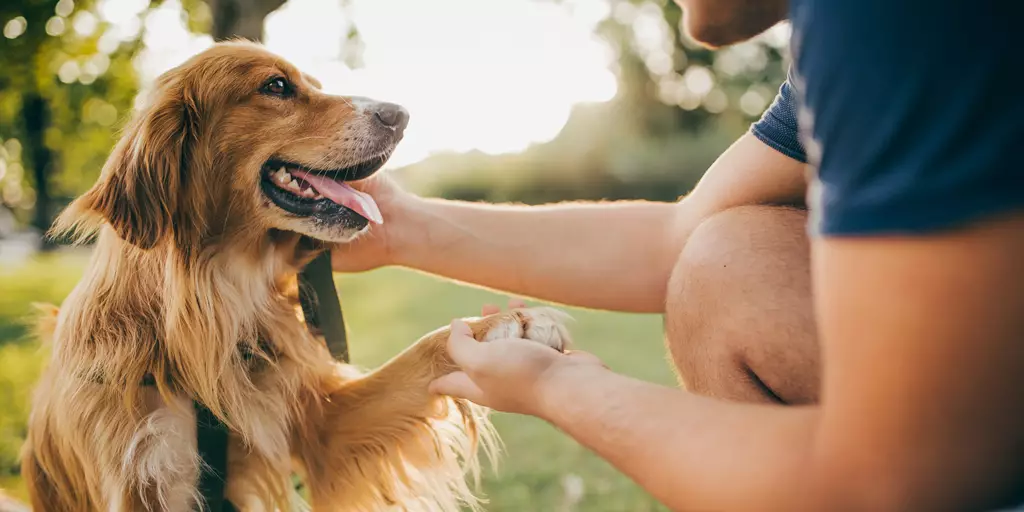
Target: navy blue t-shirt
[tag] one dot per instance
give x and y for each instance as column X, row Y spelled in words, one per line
column 910, row 112
column 778, row 126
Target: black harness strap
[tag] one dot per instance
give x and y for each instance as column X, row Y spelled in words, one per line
column 322, row 310
column 212, row 438
column 321, row 305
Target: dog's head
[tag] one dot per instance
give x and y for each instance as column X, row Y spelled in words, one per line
column 237, row 140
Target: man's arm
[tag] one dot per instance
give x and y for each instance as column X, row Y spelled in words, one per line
column 924, row 363
column 602, row 255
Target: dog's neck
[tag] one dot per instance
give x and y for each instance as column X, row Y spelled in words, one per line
column 188, row 322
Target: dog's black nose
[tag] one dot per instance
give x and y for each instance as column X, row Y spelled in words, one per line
column 393, row 116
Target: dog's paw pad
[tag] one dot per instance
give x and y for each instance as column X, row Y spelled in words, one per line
column 540, row 324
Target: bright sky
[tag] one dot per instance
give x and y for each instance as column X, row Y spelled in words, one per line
column 494, row 76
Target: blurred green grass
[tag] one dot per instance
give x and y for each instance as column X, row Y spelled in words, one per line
column 386, row 310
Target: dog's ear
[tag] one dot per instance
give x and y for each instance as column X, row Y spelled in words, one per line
column 140, row 188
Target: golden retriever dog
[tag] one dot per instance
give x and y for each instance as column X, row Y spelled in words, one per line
column 223, row 186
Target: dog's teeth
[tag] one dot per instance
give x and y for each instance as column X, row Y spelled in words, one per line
column 281, row 177
column 294, row 185
column 308, row 193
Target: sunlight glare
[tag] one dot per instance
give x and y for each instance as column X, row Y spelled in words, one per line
column 492, row 76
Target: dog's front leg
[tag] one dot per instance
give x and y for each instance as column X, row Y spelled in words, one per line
column 383, row 439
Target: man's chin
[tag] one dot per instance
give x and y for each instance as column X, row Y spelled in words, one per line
column 730, row 22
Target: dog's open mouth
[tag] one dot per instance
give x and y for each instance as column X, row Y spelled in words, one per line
column 322, row 193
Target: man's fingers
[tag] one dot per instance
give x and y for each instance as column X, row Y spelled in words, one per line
column 461, row 328
column 368, row 183
column 490, row 309
column 585, row 357
column 465, row 350
column 459, row 385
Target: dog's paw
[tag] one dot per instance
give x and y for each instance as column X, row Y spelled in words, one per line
column 540, row 324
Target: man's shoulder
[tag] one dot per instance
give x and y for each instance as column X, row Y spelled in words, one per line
column 914, row 108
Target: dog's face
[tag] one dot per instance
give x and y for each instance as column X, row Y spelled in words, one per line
column 238, row 141
column 329, row 141
column 303, row 146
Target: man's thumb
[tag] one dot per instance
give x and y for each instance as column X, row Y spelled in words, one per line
column 462, row 347
column 461, row 328
column 457, row 384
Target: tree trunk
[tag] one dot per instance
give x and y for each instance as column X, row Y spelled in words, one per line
column 36, row 116
column 241, row 18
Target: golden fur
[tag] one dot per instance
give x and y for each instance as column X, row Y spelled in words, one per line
column 193, row 282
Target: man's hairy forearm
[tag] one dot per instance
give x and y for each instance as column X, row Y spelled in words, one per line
column 601, row 255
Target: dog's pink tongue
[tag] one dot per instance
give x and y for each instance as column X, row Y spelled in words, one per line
column 341, row 193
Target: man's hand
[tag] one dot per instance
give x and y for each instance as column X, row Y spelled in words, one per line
column 506, row 375
column 376, row 247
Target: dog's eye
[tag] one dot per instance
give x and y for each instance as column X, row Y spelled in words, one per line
column 277, row 86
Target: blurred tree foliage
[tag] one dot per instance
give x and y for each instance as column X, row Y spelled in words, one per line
column 67, row 81
column 240, row 18
column 679, row 105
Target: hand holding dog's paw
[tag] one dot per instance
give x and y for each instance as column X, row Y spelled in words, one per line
column 508, row 367
column 542, row 325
